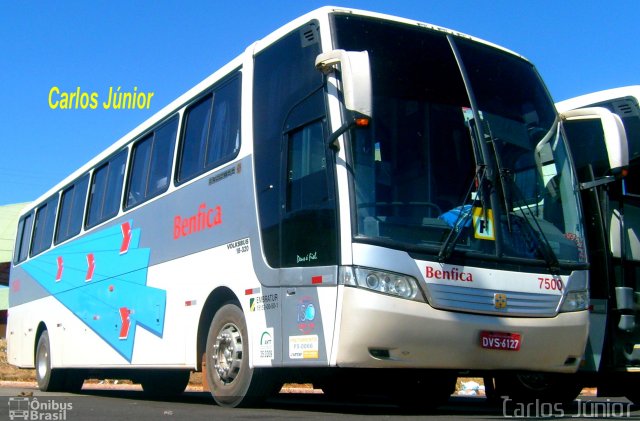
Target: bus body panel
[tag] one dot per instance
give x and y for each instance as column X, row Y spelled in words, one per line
column 168, row 244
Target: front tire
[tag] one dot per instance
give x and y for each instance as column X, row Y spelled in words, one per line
column 545, row 387
column 232, row 382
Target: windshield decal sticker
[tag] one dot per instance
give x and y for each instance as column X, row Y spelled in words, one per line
column 483, row 224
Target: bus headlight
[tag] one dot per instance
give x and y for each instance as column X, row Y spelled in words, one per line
column 395, row 284
column 577, row 295
column 575, row 301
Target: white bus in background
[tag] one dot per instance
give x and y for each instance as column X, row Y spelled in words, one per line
column 611, row 201
column 603, row 132
column 356, row 200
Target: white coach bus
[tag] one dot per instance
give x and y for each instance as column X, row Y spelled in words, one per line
column 354, row 192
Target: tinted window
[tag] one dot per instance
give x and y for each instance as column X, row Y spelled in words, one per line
column 151, row 164
column 307, row 162
column 106, row 188
column 24, row 238
column 586, row 139
column 212, row 131
column 44, row 223
column 72, row 210
column 287, row 96
column 309, row 221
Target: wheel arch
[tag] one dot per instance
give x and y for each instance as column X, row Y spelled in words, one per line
column 41, row 328
column 218, row 297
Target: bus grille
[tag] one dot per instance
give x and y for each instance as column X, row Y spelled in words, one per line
column 474, row 300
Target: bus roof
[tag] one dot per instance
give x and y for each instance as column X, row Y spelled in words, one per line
column 598, row 97
column 256, row 47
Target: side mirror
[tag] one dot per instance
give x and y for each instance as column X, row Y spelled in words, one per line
column 615, row 136
column 356, row 77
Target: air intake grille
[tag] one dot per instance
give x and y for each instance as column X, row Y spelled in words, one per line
column 476, row 300
column 309, row 34
column 626, row 108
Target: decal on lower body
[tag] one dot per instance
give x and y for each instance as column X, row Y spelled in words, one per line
column 102, row 279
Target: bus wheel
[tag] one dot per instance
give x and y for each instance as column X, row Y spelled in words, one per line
column 232, row 382
column 545, row 387
column 54, row 379
column 165, row 383
column 49, row 380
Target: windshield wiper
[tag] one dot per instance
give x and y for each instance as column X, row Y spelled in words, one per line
column 463, row 216
column 503, row 174
column 540, row 240
column 507, row 183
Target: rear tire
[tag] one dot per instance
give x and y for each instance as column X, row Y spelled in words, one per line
column 232, row 382
column 54, row 379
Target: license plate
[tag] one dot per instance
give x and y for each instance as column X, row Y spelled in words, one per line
column 500, row 340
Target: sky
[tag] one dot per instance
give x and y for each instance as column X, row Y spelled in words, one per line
column 167, row 47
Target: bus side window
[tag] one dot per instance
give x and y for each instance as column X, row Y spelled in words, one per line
column 212, row 131
column 306, row 172
column 72, row 209
column 24, row 238
column 224, row 135
column 309, row 221
column 106, row 189
column 151, row 162
column 43, row 228
column 197, row 121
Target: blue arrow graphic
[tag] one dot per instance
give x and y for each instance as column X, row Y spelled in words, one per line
column 116, row 298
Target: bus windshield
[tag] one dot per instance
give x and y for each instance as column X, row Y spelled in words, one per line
column 464, row 152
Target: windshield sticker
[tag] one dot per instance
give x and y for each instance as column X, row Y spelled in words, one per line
column 483, row 224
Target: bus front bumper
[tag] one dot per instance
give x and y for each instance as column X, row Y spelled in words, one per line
column 377, row 330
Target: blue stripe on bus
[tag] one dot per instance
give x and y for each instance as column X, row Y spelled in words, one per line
column 116, row 298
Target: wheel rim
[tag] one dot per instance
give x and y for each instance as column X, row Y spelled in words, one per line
column 227, row 353
column 43, row 366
